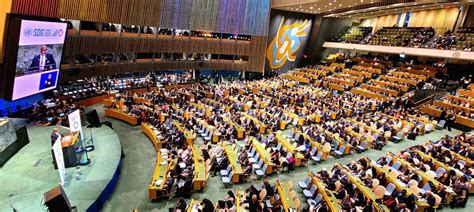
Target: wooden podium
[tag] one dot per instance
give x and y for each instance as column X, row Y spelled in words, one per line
column 70, row 144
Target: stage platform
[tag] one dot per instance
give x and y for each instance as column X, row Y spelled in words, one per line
column 30, row 173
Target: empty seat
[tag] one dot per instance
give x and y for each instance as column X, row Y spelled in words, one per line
column 310, row 193
column 304, row 184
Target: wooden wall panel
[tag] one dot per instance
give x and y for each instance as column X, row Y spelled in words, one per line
column 75, row 45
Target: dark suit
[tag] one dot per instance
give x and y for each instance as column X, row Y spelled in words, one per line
column 54, row 137
column 49, row 63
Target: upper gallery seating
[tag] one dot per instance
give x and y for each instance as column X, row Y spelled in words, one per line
column 353, row 35
column 417, row 37
column 460, row 40
column 401, row 36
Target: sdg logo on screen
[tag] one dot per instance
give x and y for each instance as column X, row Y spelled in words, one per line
column 43, row 32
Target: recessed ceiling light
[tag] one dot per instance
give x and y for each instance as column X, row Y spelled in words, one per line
column 319, row 8
column 325, row 6
column 340, row 5
column 330, row 3
column 301, row 6
column 311, row 7
column 361, row 1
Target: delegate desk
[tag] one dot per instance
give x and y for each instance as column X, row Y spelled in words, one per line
column 264, row 154
column 200, row 171
column 466, row 93
column 285, row 196
column 290, row 147
column 369, row 94
column 240, row 130
column 155, row 189
column 189, row 135
column 234, row 162
column 257, row 122
column 438, row 164
column 365, row 191
column 391, row 85
column 453, row 106
column 70, row 143
column 296, row 78
column 325, row 149
column 282, row 124
column 239, row 198
column 397, row 183
column 299, row 121
column 424, row 176
column 132, row 120
column 328, row 196
column 150, row 133
column 338, row 140
column 380, row 89
column 212, row 129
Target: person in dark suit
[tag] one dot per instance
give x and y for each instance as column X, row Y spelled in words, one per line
column 43, row 61
column 55, row 135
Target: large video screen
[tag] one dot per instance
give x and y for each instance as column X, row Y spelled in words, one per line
column 39, row 57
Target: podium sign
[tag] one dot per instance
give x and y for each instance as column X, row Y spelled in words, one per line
column 58, row 155
column 75, row 123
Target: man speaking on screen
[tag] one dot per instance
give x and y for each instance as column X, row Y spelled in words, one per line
column 43, row 61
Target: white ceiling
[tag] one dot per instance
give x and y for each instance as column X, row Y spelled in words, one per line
column 361, row 8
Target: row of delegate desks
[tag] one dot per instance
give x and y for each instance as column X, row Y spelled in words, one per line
column 365, row 191
column 459, row 157
column 397, row 183
column 204, row 108
column 328, row 196
column 330, row 134
column 438, row 164
column 282, row 123
column 367, row 69
column 234, row 162
column 424, row 176
column 257, row 122
column 462, row 120
column 380, row 89
column 201, row 174
column 240, row 130
column 369, row 94
column 325, row 149
column 358, row 73
column 285, row 196
column 290, row 147
column 399, row 80
column 132, row 120
column 466, row 93
column 403, row 74
column 403, row 88
column 264, row 154
column 188, row 135
column 150, row 133
column 300, row 120
column 212, row 129
column 155, row 191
